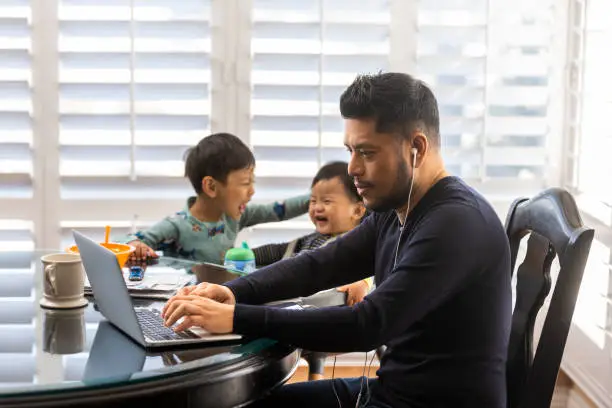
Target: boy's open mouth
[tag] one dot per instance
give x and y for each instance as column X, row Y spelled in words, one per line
column 242, row 208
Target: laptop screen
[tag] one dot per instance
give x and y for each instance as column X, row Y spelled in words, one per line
column 108, row 286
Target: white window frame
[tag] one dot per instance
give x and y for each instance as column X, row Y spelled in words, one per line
column 584, row 362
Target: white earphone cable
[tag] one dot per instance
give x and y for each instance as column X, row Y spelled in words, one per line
column 402, row 227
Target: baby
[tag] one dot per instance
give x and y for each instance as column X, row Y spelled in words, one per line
column 335, row 208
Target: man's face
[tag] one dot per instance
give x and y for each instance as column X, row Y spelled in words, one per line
column 378, row 164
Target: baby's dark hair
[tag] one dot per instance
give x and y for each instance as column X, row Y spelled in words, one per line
column 338, row 169
column 216, row 156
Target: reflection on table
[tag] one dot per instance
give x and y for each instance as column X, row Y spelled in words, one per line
column 77, row 351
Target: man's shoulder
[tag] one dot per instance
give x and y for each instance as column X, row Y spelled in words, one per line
column 458, row 205
column 381, row 221
column 456, row 196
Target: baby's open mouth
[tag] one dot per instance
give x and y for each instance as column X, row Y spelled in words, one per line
column 242, row 208
column 320, row 218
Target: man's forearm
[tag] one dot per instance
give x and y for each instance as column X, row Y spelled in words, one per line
column 331, row 329
column 289, row 278
column 346, row 260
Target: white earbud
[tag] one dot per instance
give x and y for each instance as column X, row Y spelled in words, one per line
column 414, row 156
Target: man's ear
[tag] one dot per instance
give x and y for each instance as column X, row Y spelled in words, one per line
column 210, row 187
column 421, row 144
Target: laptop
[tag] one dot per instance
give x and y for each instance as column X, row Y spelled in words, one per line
column 143, row 324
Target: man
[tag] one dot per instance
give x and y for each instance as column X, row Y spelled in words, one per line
column 442, row 268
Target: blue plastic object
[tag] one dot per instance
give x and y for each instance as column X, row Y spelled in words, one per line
column 136, row 273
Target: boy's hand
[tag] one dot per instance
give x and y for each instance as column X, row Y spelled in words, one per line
column 142, row 252
column 355, row 292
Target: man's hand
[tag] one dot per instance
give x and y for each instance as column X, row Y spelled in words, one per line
column 355, row 292
column 221, row 294
column 208, row 314
column 142, row 252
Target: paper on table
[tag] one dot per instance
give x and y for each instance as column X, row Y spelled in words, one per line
column 160, row 281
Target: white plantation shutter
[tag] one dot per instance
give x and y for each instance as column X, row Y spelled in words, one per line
column 304, row 54
column 16, row 137
column 18, row 310
column 134, row 94
column 134, row 81
column 588, row 353
column 490, row 66
column 596, row 107
column 591, row 96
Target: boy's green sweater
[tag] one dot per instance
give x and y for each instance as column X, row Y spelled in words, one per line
column 184, row 236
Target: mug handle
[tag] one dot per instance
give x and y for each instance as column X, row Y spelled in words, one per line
column 50, row 277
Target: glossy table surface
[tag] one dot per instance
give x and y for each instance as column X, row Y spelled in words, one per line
column 53, row 356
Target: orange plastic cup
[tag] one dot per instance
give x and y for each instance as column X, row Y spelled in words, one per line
column 121, row 251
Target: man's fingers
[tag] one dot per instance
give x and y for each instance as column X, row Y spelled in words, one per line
column 186, row 290
column 179, row 307
column 185, row 324
column 207, row 292
column 343, row 288
column 190, row 321
column 172, row 304
column 199, row 288
column 179, row 297
column 169, row 307
column 175, row 313
column 190, row 312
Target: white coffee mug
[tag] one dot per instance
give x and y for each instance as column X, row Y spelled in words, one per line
column 63, row 281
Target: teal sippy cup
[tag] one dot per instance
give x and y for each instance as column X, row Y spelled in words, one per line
column 241, row 258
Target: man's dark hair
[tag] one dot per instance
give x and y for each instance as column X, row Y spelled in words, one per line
column 396, row 101
column 216, row 156
column 338, row 169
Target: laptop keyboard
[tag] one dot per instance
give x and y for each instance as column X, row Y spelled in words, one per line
column 153, row 327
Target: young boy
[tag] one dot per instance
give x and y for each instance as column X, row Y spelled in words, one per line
column 335, row 208
column 221, row 170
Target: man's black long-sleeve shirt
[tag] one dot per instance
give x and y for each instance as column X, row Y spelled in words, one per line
column 444, row 310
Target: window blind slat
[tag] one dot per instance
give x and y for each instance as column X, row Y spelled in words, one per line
column 134, row 95
column 16, row 141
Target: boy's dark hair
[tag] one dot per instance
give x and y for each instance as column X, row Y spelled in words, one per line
column 338, row 169
column 396, row 101
column 216, row 156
